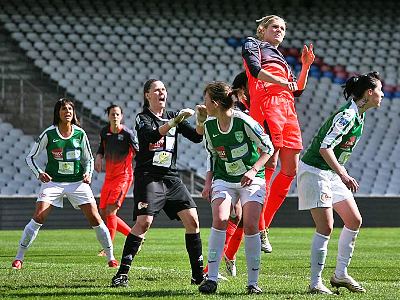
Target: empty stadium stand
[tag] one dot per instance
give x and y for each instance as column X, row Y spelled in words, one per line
column 103, row 51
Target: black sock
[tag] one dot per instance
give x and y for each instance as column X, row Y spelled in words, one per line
column 194, row 249
column 132, row 244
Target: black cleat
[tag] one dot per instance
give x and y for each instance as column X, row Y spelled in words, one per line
column 120, row 280
column 254, row 289
column 208, row 287
column 198, row 280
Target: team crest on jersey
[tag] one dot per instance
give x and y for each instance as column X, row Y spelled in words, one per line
column 75, row 143
column 120, row 137
column 239, row 136
column 57, row 153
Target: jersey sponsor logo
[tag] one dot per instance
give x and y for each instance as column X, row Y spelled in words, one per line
column 240, row 151
column 221, row 152
column 249, row 44
column 239, row 136
column 349, row 143
column 157, row 146
column 57, row 153
column 142, row 205
column 73, row 154
column 343, row 121
column 66, row 168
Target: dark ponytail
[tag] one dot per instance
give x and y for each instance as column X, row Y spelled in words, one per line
column 356, row 86
column 146, row 89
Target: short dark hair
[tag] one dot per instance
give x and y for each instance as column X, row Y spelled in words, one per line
column 109, row 108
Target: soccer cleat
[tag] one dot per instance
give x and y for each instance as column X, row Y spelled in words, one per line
column 265, row 244
column 17, row 264
column 208, row 287
column 197, row 281
column 254, row 289
column 102, row 253
column 320, row 288
column 113, row 263
column 348, row 282
column 230, row 266
column 120, row 280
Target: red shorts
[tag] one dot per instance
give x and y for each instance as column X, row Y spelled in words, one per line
column 114, row 192
column 279, row 118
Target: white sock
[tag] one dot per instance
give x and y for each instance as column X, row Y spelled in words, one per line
column 29, row 234
column 103, row 236
column 253, row 253
column 319, row 250
column 216, row 244
column 346, row 245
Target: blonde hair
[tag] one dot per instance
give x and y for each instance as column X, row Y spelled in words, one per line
column 264, row 23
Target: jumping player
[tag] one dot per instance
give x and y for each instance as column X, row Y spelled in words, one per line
column 118, row 145
column 272, row 88
column 68, row 173
column 325, row 186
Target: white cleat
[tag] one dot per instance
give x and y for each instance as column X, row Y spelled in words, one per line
column 348, row 282
column 265, row 244
column 320, row 288
column 221, row 278
column 230, row 266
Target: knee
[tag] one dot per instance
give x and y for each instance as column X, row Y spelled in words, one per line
column 251, row 229
column 220, row 224
column 143, row 225
column 355, row 223
column 325, row 229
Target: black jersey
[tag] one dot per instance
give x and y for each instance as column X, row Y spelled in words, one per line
column 157, row 155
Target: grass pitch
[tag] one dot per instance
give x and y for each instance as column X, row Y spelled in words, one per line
column 63, row 264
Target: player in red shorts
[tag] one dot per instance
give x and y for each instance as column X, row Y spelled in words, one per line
column 117, row 146
column 272, row 88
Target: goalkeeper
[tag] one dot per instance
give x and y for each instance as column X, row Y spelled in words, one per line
column 157, row 184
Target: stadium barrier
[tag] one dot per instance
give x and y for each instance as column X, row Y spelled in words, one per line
column 15, row 212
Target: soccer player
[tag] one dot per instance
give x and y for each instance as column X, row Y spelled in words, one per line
column 68, row 173
column 118, row 145
column 272, row 88
column 235, row 171
column 157, row 184
column 324, row 185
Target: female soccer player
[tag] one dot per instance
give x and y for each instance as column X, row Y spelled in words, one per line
column 157, row 184
column 235, row 171
column 324, row 184
column 118, row 145
column 272, row 88
column 68, row 173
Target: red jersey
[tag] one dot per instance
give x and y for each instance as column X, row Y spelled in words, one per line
column 259, row 55
column 118, row 150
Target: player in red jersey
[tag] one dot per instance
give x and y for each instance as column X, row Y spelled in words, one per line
column 117, row 146
column 272, row 88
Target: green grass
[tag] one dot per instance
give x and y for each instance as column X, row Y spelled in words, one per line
column 63, row 264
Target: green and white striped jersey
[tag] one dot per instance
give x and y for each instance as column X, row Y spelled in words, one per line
column 67, row 158
column 341, row 132
column 234, row 152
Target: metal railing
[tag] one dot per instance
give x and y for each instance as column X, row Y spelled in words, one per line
column 19, row 96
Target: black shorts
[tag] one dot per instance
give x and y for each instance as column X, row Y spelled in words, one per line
column 151, row 194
